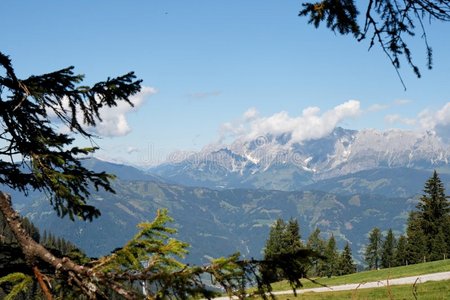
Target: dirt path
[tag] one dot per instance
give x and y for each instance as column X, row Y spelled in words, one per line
column 374, row 284
column 368, row 285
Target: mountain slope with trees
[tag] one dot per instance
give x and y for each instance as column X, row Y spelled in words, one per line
column 225, row 220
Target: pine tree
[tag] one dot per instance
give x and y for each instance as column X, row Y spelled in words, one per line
column 388, row 249
column 31, row 229
column 284, row 241
column 276, row 240
column 433, row 209
column 276, row 245
column 417, row 250
column 293, row 236
column 299, row 263
column 428, row 237
column 346, row 264
column 372, row 254
column 317, row 244
column 44, row 238
column 400, row 256
column 439, row 248
column 331, row 256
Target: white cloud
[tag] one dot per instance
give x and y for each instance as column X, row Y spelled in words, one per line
column 439, row 121
column 131, row 149
column 402, row 101
column 432, row 120
column 250, row 114
column 443, row 115
column 396, row 118
column 311, row 124
column 429, row 119
column 377, row 107
column 114, row 119
column 204, row 95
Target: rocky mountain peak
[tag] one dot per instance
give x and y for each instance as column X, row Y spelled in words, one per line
column 281, row 162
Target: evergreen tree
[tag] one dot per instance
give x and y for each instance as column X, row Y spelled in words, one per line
column 346, row 264
column 317, row 244
column 428, row 237
column 294, row 249
column 417, row 250
column 400, row 256
column 439, row 248
column 293, row 236
column 433, row 209
column 372, row 254
column 44, row 238
column 388, row 249
column 276, row 245
column 31, row 229
column 331, row 256
column 283, row 241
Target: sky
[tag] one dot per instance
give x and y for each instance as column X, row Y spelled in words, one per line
column 213, row 71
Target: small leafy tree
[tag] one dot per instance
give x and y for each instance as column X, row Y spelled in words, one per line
column 372, row 254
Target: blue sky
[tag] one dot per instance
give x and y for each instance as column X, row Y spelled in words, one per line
column 223, row 68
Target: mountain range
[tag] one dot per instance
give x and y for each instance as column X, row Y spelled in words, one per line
column 282, row 163
column 224, row 198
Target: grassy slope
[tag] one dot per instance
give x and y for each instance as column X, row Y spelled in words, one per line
column 367, row 276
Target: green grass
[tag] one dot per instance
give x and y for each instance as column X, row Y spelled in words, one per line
column 433, row 290
column 367, row 276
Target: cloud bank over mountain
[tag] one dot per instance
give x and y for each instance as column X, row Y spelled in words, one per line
column 310, row 124
column 438, row 121
column 313, row 124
